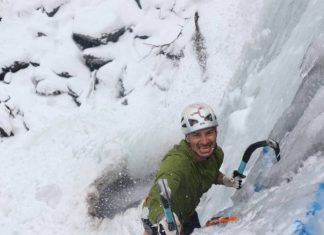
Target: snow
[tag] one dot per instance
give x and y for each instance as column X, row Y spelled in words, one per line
column 73, row 137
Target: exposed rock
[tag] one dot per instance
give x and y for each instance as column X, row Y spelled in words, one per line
column 64, row 74
column 51, row 13
column 52, row 93
column 120, row 88
column 138, row 4
column 75, row 96
column 125, row 102
column 6, row 128
column 94, row 63
column 86, row 41
column 113, row 37
column 171, row 56
column 4, row 134
column 200, row 47
column 41, row 34
column 34, row 64
column 2, row 75
column 142, row 37
column 16, row 66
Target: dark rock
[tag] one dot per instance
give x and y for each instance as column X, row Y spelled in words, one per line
column 54, row 93
column 2, row 75
column 113, row 37
column 34, row 64
column 121, row 88
column 142, row 37
column 138, row 4
column 51, row 13
column 85, row 41
column 64, row 75
column 171, row 56
column 200, row 47
column 74, row 96
column 94, row 63
column 4, row 134
column 16, row 66
column 125, row 102
column 40, row 34
column 5, row 70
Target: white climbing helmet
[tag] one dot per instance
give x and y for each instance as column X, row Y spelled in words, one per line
column 196, row 117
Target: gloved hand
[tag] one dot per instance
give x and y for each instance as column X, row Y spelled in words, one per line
column 235, row 181
column 163, row 228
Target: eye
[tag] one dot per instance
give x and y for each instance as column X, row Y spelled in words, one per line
column 211, row 132
column 195, row 135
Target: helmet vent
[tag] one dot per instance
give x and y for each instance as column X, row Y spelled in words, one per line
column 192, row 122
column 209, row 117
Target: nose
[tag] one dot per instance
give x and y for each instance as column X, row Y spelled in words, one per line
column 204, row 139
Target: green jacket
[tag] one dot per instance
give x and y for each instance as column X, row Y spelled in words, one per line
column 188, row 180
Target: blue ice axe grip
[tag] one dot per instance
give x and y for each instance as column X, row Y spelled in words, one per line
column 169, row 218
column 242, row 167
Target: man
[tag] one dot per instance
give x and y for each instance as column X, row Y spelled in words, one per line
column 191, row 168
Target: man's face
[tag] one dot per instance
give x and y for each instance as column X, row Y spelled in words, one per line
column 203, row 142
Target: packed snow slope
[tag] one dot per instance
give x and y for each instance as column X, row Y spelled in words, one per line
column 90, row 100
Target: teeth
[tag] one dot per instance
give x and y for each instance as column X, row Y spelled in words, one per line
column 205, row 148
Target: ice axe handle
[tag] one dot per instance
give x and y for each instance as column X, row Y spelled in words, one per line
column 248, row 152
column 241, row 168
column 165, row 192
column 168, row 214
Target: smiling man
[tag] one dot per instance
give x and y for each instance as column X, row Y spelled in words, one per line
column 191, row 168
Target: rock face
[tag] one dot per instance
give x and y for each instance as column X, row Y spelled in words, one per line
column 6, row 129
column 14, row 67
column 6, row 114
column 94, row 63
column 86, row 41
column 82, row 56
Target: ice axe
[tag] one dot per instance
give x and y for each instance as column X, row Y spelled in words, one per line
column 248, row 152
column 165, row 197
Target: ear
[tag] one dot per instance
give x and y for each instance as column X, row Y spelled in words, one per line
column 187, row 138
